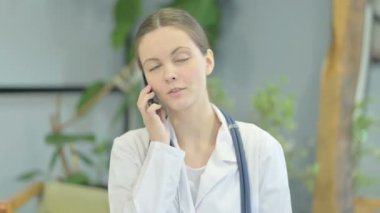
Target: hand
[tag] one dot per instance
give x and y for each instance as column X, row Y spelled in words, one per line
column 153, row 116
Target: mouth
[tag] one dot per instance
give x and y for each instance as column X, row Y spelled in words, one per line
column 175, row 90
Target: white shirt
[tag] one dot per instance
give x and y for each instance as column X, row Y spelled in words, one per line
column 194, row 176
column 146, row 178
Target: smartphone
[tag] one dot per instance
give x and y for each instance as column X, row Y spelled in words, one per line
column 154, row 99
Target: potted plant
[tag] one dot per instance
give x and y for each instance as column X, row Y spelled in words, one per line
column 274, row 112
column 362, row 123
column 129, row 82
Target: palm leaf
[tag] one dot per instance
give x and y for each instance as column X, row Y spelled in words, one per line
column 77, row 178
column 54, row 158
column 83, row 157
column 126, row 13
column 206, row 12
column 61, row 139
column 91, row 92
column 29, row 175
column 103, row 147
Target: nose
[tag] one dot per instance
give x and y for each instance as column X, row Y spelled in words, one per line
column 170, row 73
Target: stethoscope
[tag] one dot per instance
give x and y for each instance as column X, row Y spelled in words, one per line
column 245, row 196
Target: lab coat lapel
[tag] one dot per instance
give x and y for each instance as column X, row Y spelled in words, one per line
column 184, row 199
column 222, row 162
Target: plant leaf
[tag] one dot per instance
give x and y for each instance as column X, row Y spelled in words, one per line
column 130, row 46
column 77, row 178
column 206, row 12
column 88, row 95
column 60, row 139
column 54, row 158
column 83, row 157
column 30, row 175
column 103, row 147
column 126, row 13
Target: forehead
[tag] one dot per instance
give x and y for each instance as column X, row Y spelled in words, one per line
column 162, row 41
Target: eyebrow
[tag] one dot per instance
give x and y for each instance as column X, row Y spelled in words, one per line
column 177, row 49
column 172, row 53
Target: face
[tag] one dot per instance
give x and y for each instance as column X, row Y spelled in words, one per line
column 175, row 67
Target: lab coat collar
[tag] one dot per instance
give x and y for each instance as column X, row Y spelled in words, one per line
column 224, row 149
column 222, row 160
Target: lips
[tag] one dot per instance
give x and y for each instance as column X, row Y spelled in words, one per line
column 175, row 90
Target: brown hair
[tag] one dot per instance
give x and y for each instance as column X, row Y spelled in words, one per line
column 176, row 18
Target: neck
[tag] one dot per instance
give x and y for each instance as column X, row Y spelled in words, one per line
column 196, row 126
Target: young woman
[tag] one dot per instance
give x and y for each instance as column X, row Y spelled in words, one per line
column 184, row 160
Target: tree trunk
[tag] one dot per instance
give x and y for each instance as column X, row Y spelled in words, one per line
column 333, row 188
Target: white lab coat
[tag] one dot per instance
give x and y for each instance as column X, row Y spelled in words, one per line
column 147, row 178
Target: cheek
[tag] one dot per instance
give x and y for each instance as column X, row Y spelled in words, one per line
column 154, row 82
column 194, row 72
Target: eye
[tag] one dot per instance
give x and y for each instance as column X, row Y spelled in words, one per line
column 182, row 57
column 181, row 60
column 154, row 67
column 151, row 66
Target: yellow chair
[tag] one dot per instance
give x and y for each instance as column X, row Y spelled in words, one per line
column 56, row 197
column 366, row 205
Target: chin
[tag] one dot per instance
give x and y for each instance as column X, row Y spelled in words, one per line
column 178, row 105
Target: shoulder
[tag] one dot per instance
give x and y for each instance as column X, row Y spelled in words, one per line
column 258, row 140
column 132, row 135
column 132, row 142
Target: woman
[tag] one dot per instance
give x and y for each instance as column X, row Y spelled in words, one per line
column 184, row 159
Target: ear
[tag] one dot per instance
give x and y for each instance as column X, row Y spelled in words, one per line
column 210, row 63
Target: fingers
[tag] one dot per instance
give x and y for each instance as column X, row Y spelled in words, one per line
column 153, row 108
column 153, row 116
column 145, row 94
column 161, row 114
column 148, row 111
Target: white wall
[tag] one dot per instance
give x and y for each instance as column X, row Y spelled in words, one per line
column 369, row 165
column 55, row 42
column 261, row 41
column 50, row 43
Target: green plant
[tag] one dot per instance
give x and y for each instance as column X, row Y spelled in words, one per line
column 362, row 123
column 129, row 82
column 274, row 112
column 67, row 148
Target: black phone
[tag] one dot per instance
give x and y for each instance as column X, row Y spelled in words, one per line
column 154, row 99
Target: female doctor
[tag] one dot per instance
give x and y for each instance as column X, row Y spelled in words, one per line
column 184, row 159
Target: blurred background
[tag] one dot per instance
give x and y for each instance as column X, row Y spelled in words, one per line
column 68, row 85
